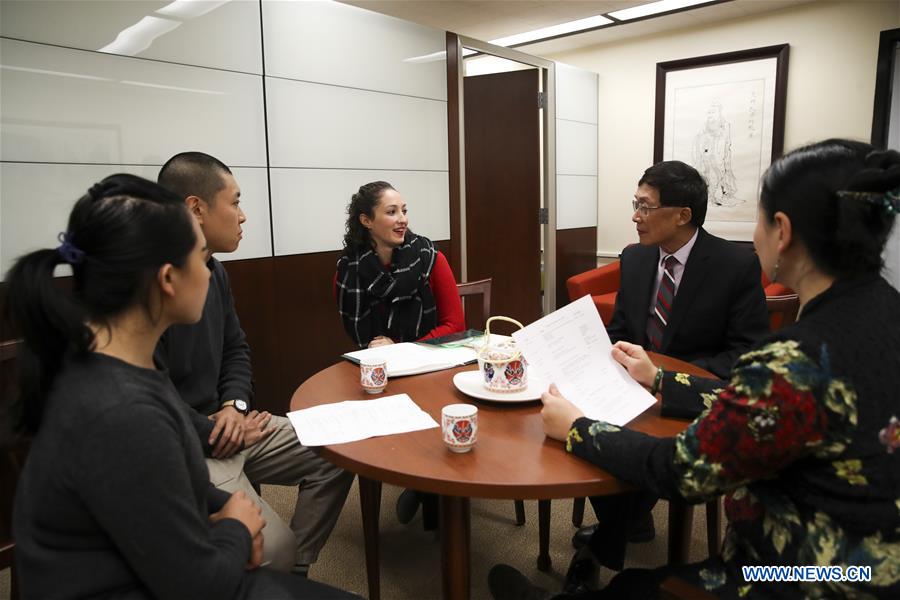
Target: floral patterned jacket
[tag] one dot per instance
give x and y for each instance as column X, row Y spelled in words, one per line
column 804, row 441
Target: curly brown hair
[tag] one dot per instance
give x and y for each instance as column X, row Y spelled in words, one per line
column 362, row 202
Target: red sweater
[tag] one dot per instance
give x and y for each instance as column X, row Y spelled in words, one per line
column 450, row 317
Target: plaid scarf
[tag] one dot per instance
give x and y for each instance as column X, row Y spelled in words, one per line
column 366, row 290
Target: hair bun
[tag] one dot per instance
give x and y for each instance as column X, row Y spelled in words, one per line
column 97, row 190
column 883, row 159
column 880, row 175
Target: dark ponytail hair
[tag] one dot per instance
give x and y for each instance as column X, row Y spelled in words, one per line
column 841, row 197
column 118, row 236
column 362, row 202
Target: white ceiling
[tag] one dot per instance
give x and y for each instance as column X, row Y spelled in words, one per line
column 491, row 19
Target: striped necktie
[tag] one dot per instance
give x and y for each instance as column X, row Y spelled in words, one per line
column 656, row 325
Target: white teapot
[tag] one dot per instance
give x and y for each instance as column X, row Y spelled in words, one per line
column 502, row 366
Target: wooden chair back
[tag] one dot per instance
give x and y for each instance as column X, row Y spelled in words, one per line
column 474, row 288
column 12, row 461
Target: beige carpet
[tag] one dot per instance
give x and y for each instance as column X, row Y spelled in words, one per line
column 410, row 557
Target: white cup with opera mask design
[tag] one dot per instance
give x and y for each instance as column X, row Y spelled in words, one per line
column 502, row 366
column 373, row 374
column 459, row 426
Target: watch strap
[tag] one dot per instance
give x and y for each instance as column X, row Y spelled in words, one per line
column 233, row 403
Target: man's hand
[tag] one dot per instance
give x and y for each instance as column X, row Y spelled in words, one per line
column 380, row 341
column 228, row 433
column 636, row 362
column 558, row 414
column 256, row 427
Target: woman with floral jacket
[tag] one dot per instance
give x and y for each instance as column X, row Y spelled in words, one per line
column 803, row 439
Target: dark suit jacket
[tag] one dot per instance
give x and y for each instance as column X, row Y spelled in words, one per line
column 719, row 309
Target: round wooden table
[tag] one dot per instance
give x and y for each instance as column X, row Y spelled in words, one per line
column 513, row 459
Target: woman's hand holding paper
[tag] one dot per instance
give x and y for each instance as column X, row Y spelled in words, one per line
column 558, row 414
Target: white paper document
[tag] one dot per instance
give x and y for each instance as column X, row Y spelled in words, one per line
column 411, row 359
column 354, row 420
column 570, row 347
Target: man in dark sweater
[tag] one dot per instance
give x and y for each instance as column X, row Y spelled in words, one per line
column 209, row 363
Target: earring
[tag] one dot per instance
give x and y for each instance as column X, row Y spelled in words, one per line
column 775, row 270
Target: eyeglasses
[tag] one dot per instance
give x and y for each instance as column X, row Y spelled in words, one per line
column 643, row 208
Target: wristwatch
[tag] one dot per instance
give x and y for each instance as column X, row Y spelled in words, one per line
column 239, row 405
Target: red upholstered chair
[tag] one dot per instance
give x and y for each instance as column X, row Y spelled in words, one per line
column 774, row 289
column 783, row 304
column 601, row 283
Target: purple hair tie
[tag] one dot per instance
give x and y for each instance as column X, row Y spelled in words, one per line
column 68, row 251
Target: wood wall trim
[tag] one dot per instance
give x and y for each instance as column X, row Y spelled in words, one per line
column 287, row 308
column 576, row 252
column 884, row 72
column 454, row 254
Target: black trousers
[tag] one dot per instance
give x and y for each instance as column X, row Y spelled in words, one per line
column 615, row 516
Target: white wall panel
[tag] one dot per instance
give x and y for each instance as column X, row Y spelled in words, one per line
column 344, row 45
column 324, row 126
column 213, row 33
column 576, row 201
column 309, row 206
column 62, row 105
column 35, row 201
column 576, row 94
column 576, row 148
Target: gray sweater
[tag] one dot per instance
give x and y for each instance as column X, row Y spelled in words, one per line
column 115, row 495
column 209, row 361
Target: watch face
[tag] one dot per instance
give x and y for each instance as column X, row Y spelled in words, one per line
column 241, row 406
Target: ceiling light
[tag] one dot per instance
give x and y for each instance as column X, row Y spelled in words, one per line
column 636, row 12
column 189, row 9
column 176, row 88
column 435, row 56
column 553, row 31
column 137, row 38
column 56, row 73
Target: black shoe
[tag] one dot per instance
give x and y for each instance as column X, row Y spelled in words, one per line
column 640, row 532
column 583, row 574
column 506, row 583
column 408, row 506
column 583, row 536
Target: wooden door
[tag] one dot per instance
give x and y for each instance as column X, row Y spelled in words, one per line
column 503, row 167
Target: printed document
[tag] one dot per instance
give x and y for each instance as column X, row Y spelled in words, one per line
column 570, row 347
column 354, row 420
column 411, row 359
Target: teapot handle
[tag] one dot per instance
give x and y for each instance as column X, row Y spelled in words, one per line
column 487, row 326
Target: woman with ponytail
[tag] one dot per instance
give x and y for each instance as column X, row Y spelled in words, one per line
column 803, row 438
column 115, row 497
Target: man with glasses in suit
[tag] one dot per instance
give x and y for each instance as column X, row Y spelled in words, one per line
column 683, row 293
